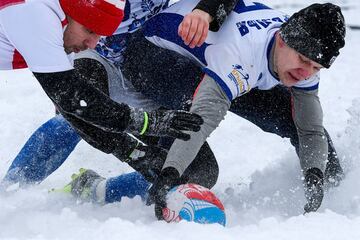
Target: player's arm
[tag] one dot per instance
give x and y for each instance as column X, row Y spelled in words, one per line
column 208, row 14
column 308, row 119
column 75, row 98
column 218, row 10
column 211, row 103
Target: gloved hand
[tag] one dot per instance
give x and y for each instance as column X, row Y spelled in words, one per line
column 168, row 178
column 314, row 192
column 147, row 160
column 166, row 123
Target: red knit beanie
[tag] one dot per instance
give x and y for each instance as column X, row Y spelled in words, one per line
column 100, row 16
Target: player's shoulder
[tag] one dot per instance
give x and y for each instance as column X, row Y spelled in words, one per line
column 34, row 14
column 32, row 10
column 22, row 6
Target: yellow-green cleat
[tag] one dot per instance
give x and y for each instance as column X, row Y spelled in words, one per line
column 82, row 185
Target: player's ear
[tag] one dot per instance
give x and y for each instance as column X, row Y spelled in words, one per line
column 279, row 40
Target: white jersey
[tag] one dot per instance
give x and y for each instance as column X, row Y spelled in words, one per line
column 136, row 13
column 237, row 56
column 31, row 35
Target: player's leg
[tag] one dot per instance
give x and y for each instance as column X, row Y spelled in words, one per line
column 88, row 185
column 45, row 151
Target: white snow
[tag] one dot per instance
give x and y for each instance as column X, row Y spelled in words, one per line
column 259, row 183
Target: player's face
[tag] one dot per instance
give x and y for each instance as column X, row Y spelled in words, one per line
column 292, row 66
column 78, row 38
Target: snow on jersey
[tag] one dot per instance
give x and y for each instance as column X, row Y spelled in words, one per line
column 237, row 56
column 31, row 34
column 136, row 13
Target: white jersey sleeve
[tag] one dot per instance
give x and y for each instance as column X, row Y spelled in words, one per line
column 36, row 32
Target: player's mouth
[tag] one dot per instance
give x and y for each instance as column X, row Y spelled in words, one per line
column 293, row 77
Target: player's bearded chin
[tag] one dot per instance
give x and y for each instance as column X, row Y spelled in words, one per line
column 67, row 50
column 74, row 48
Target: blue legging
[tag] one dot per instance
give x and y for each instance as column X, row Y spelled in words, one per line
column 126, row 185
column 44, row 152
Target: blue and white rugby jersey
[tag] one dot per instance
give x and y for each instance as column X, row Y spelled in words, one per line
column 136, row 13
column 237, row 56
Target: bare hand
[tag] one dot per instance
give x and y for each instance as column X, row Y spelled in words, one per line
column 194, row 28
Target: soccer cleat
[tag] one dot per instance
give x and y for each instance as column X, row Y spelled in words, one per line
column 83, row 184
column 314, row 189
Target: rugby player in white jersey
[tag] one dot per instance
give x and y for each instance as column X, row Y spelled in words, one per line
column 256, row 49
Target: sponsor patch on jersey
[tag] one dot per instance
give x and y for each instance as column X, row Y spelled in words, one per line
column 240, row 78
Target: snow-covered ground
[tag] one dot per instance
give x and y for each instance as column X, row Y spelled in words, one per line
column 261, row 188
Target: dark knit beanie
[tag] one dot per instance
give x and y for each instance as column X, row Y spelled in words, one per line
column 317, row 32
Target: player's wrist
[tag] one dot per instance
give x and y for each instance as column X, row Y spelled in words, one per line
column 203, row 15
column 146, row 124
column 139, row 123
